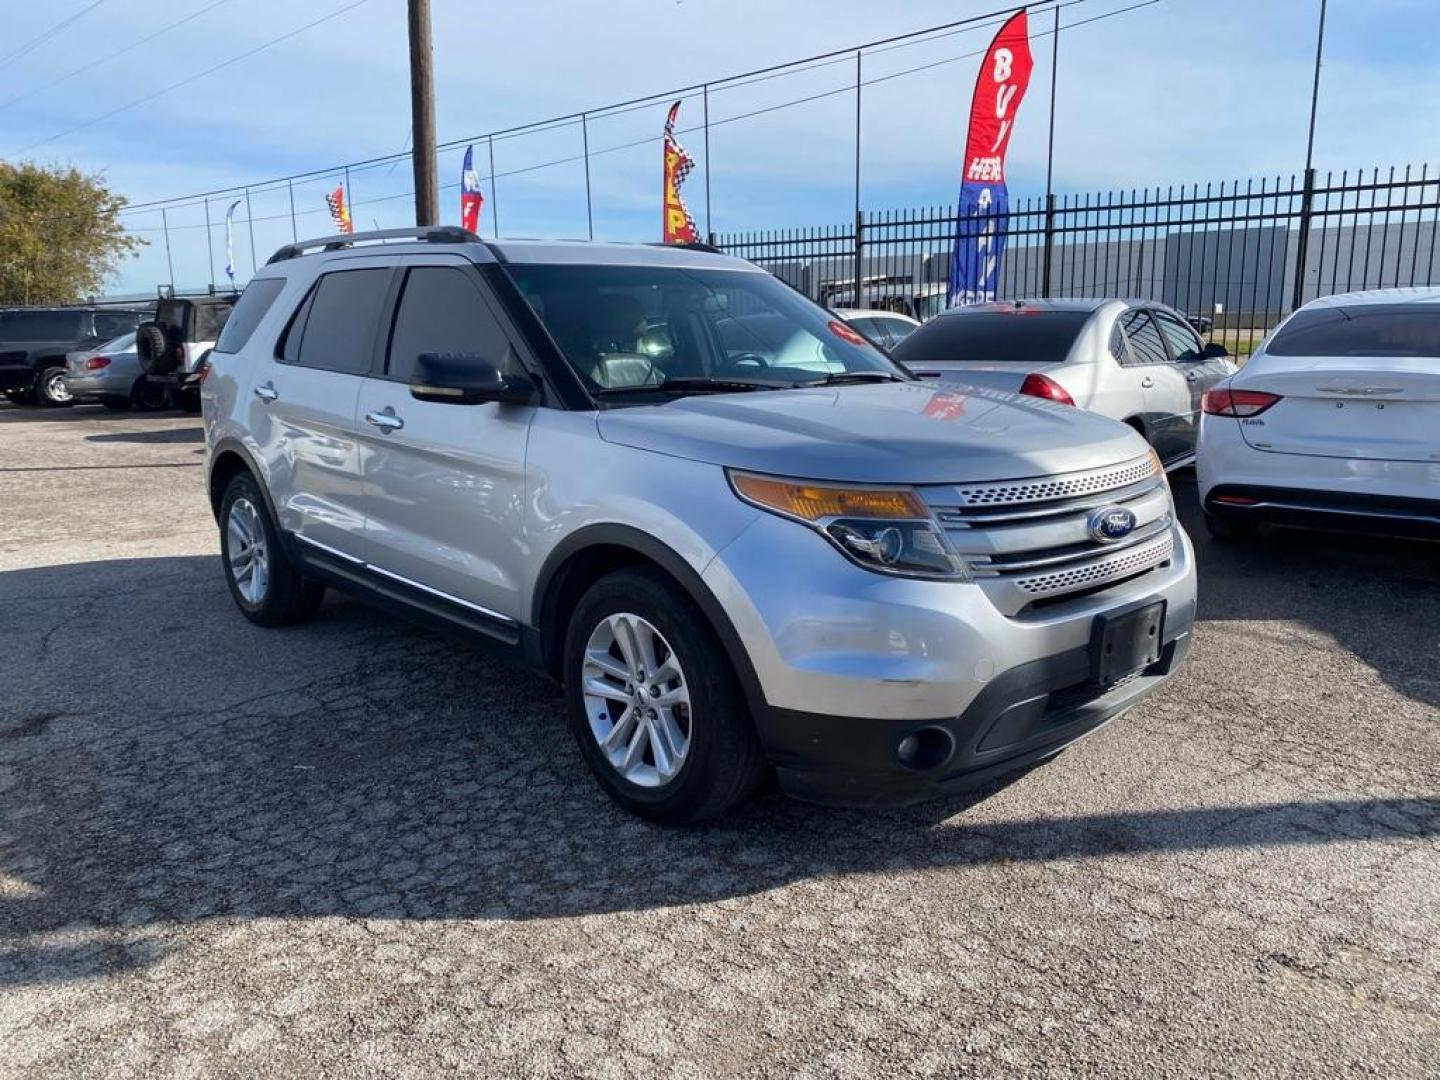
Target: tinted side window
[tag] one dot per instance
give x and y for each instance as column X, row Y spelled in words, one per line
column 43, row 325
column 872, row 329
column 1145, row 340
column 897, row 328
column 1119, row 349
column 339, row 334
column 111, row 324
column 1184, row 345
column 442, row 311
column 254, row 302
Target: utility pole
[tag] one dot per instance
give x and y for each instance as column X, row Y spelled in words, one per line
column 422, row 114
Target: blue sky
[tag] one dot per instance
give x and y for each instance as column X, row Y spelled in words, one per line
column 1175, row 92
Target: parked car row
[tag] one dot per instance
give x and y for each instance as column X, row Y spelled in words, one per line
column 122, row 357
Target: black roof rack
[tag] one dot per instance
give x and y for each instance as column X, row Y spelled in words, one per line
column 433, row 234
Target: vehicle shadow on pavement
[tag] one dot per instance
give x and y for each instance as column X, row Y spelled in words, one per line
column 195, row 768
column 194, row 434
column 1377, row 597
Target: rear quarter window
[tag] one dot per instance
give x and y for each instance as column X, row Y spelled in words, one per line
column 257, row 299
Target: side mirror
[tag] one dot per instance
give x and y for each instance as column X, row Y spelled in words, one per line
column 467, row 379
column 1214, row 350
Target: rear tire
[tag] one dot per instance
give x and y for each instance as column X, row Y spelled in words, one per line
column 1230, row 531
column 672, row 761
column 50, row 388
column 266, row 586
column 147, row 396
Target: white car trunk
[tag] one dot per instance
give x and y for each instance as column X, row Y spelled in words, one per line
column 1380, row 409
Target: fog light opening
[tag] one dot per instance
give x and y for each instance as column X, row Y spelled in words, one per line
column 927, row 748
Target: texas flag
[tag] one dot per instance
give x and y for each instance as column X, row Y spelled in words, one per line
column 470, row 197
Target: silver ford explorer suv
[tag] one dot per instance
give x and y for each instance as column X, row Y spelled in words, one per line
column 739, row 535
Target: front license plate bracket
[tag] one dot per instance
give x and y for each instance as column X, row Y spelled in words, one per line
column 1127, row 641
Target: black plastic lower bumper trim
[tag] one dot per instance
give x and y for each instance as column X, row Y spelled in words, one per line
column 1023, row 715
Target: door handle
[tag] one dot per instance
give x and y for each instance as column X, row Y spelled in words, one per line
column 266, row 392
column 385, row 421
column 1147, row 382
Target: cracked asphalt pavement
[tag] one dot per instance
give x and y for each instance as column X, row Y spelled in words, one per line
column 356, row 848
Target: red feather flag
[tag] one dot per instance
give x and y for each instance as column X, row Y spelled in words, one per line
column 678, row 227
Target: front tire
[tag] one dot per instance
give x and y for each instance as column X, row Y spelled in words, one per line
column 265, row 585
column 654, row 704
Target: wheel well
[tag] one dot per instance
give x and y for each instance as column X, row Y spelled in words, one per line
column 227, row 466
column 569, row 582
column 1139, row 425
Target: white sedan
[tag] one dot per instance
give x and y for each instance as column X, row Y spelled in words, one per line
column 1135, row 361
column 1333, row 424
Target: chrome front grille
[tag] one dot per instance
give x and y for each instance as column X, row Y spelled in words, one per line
column 1044, row 489
column 1122, row 564
column 1029, row 539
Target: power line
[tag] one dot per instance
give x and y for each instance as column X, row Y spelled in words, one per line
column 108, row 57
column 847, row 88
column 193, row 78
column 715, row 85
column 48, row 34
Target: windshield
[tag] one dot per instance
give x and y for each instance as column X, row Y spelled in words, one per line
column 1407, row 330
column 633, row 328
column 1010, row 335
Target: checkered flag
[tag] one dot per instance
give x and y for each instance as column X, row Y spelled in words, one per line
column 678, row 226
column 339, row 213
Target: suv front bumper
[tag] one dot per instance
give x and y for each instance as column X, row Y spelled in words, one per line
column 850, row 664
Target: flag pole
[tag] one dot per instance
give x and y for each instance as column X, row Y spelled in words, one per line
column 585, row 137
column 859, row 254
column 209, row 248
column 709, row 229
column 494, row 197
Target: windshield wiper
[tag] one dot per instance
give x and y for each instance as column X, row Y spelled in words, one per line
column 841, row 377
column 695, row 384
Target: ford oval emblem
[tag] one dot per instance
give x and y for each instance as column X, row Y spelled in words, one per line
column 1111, row 523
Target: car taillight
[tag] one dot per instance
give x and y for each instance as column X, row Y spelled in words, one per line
column 180, row 353
column 202, row 370
column 95, row 363
column 1223, row 401
column 1037, row 385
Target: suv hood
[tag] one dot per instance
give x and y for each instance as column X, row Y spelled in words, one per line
column 891, row 433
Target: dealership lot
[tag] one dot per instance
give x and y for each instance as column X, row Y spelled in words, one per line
column 357, row 847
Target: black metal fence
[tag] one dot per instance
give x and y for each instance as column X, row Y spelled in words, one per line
column 1240, row 253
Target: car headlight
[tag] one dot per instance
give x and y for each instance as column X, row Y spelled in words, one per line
column 886, row 529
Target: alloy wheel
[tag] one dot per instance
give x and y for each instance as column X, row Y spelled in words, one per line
column 57, row 389
column 246, row 551
column 637, row 700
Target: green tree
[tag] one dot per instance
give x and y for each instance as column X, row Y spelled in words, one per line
column 60, row 234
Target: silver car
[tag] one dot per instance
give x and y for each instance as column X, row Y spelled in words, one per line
column 739, row 536
column 111, row 375
column 1133, row 360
